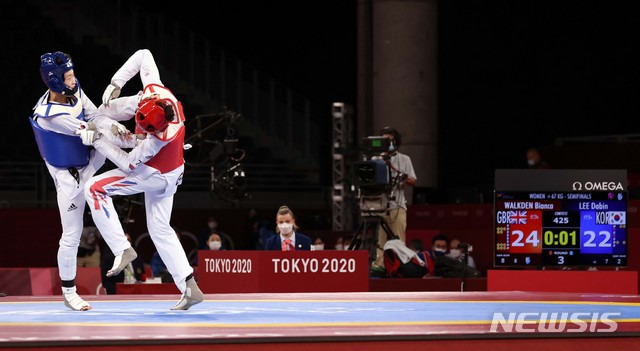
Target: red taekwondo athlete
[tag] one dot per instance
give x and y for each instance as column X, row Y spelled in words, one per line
column 154, row 166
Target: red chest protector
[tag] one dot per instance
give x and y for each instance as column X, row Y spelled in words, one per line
column 171, row 155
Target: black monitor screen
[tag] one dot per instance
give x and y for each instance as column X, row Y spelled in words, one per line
column 560, row 218
column 561, row 228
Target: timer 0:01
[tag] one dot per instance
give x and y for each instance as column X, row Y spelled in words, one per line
column 562, row 238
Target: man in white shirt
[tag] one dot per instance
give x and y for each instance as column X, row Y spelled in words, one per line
column 404, row 175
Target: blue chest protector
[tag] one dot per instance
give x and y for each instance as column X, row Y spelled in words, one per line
column 60, row 150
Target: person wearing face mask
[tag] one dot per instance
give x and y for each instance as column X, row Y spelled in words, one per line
column 402, row 174
column 213, row 227
column 534, row 160
column 287, row 238
column 318, row 244
column 445, row 265
column 439, row 246
column 456, row 253
column 215, row 242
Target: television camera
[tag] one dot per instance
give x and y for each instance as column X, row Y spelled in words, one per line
column 373, row 177
column 374, row 182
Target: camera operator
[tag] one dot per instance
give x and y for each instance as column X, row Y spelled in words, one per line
column 402, row 174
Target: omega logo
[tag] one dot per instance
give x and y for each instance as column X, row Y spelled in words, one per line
column 577, row 186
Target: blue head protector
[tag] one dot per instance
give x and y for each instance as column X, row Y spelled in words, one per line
column 53, row 66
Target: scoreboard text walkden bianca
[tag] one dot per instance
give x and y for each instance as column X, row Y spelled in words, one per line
column 560, row 218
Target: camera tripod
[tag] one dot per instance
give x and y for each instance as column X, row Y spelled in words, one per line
column 366, row 236
column 465, row 262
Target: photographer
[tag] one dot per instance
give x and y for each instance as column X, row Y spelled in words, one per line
column 402, row 174
column 456, row 251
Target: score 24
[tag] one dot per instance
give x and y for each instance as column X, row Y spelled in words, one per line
column 525, row 231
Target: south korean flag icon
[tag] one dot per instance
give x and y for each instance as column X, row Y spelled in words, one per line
column 616, row 217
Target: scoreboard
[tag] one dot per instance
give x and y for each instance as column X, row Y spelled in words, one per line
column 586, row 226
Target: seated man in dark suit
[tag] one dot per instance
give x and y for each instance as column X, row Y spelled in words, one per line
column 287, row 238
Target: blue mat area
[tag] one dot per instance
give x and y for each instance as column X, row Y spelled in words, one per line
column 273, row 313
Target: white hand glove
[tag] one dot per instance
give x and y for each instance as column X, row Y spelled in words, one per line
column 119, row 130
column 140, row 138
column 88, row 134
column 111, row 92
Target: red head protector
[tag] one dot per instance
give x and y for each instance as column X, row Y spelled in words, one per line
column 153, row 116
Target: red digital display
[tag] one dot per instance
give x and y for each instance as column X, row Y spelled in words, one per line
column 523, row 232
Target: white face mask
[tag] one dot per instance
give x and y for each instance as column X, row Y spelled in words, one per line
column 215, row 245
column 531, row 162
column 285, row 228
column 455, row 253
column 318, row 247
column 339, row 247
